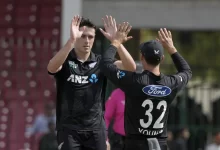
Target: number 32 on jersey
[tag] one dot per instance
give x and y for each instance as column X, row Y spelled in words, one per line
column 158, row 124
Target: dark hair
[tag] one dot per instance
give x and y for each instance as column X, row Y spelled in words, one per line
column 88, row 23
column 154, row 61
column 215, row 133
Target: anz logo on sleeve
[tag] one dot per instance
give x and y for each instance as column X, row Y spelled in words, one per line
column 157, row 90
column 83, row 79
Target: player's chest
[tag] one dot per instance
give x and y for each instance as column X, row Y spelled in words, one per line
column 82, row 73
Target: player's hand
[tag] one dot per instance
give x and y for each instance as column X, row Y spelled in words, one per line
column 110, row 27
column 121, row 35
column 108, row 146
column 165, row 37
column 74, row 29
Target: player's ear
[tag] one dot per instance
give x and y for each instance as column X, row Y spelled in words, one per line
column 142, row 57
column 143, row 61
column 162, row 59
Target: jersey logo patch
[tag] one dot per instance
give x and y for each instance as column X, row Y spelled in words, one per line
column 120, row 74
column 60, row 146
column 93, row 78
column 72, row 64
column 181, row 79
column 157, row 90
column 83, row 79
column 92, row 65
column 156, row 52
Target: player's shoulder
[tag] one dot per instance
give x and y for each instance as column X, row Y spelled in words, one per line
column 97, row 57
column 173, row 78
column 117, row 91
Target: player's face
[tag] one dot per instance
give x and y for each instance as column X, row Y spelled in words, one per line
column 85, row 43
column 217, row 138
column 170, row 136
column 186, row 133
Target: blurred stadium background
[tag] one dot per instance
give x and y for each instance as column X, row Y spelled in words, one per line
column 31, row 31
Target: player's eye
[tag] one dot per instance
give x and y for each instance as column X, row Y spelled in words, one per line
column 83, row 36
column 90, row 37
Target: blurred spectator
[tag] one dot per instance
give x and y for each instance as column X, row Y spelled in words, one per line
column 48, row 141
column 115, row 111
column 170, row 140
column 216, row 142
column 181, row 137
column 41, row 121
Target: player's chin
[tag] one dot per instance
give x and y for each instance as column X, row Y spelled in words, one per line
column 86, row 49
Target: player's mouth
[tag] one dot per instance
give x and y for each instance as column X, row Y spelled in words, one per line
column 86, row 47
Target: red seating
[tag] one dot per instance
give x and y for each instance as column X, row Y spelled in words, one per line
column 5, row 54
column 13, row 94
column 6, row 13
column 26, row 20
column 49, row 33
column 50, row 16
column 26, row 15
column 25, row 2
column 50, row 21
column 29, row 37
column 26, row 32
column 6, row 8
column 45, row 81
column 7, row 32
column 50, row 10
column 4, row 124
column 58, row 2
column 5, row 20
column 18, row 120
column 6, row 64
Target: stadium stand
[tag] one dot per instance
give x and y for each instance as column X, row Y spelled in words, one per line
column 29, row 36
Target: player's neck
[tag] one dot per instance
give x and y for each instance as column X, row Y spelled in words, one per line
column 82, row 56
column 153, row 69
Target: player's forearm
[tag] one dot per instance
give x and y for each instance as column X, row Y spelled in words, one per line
column 116, row 76
column 57, row 61
column 127, row 61
column 109, row 55
column 106, row 64
column 181, row 64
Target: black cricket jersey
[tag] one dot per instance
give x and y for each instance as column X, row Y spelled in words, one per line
column 80, row 93
column 148, row 97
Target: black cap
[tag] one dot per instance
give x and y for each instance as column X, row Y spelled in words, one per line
column 152, row 51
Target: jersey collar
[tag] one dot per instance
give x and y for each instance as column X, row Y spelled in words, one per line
column 91, row 58
column 153, row 75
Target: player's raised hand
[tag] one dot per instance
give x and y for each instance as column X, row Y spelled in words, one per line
column 121, row 35
column 110, row 26
column 165, row 37
column 75, row 32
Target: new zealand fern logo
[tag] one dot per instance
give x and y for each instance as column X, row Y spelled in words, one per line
column 93, row 78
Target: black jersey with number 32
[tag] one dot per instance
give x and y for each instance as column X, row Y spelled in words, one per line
column 148, row 97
